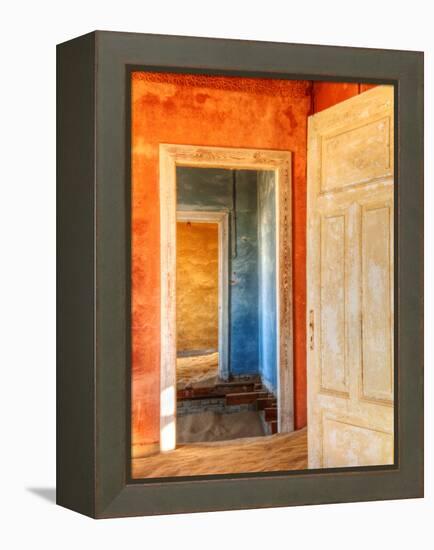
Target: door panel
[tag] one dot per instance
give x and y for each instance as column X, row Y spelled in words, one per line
column 332, row 305
column 356, row 155
column 350, row 282
column 377, row 271
column 347, row 444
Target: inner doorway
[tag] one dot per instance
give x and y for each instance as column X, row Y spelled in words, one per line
column 273, row 169
column 226, row 326
column 202, row 297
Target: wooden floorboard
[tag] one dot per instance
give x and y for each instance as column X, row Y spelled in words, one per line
column 272, row 453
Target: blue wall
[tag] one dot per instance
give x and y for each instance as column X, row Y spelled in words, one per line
column 203, row 189
column 267, row 280
column 244, row 345
column 212, row 189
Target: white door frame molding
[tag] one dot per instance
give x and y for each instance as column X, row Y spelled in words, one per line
column 221, row 219
column 279, row 162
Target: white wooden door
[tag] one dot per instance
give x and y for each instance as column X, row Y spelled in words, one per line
column 350, row 282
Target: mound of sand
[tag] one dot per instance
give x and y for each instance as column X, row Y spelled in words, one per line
column 212, row 426
column 197, row 370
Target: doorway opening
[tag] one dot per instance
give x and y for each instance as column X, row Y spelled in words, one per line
column 226, row 371
column 202, row 297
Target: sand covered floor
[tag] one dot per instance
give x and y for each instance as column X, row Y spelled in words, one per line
column 215, row 426
column 279, row 452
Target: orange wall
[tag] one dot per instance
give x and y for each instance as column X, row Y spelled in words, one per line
column 327, row 94
column 214, row 111
column 197, row 286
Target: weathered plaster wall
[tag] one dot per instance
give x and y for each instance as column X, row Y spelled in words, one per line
column 203, row 189
column 267, row 280
column 211, row 189
column 196, row 286
column 327, row 94
column 219, row 111
column 244, row 345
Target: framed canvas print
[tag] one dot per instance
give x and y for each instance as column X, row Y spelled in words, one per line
column 240, row 263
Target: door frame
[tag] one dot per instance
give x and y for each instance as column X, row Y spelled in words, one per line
column 221, row 219
column 279, row 162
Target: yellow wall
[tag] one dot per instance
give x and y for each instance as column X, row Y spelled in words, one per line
column 197, row 286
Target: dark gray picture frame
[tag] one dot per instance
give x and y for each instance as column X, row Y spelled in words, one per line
column 93, row 281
